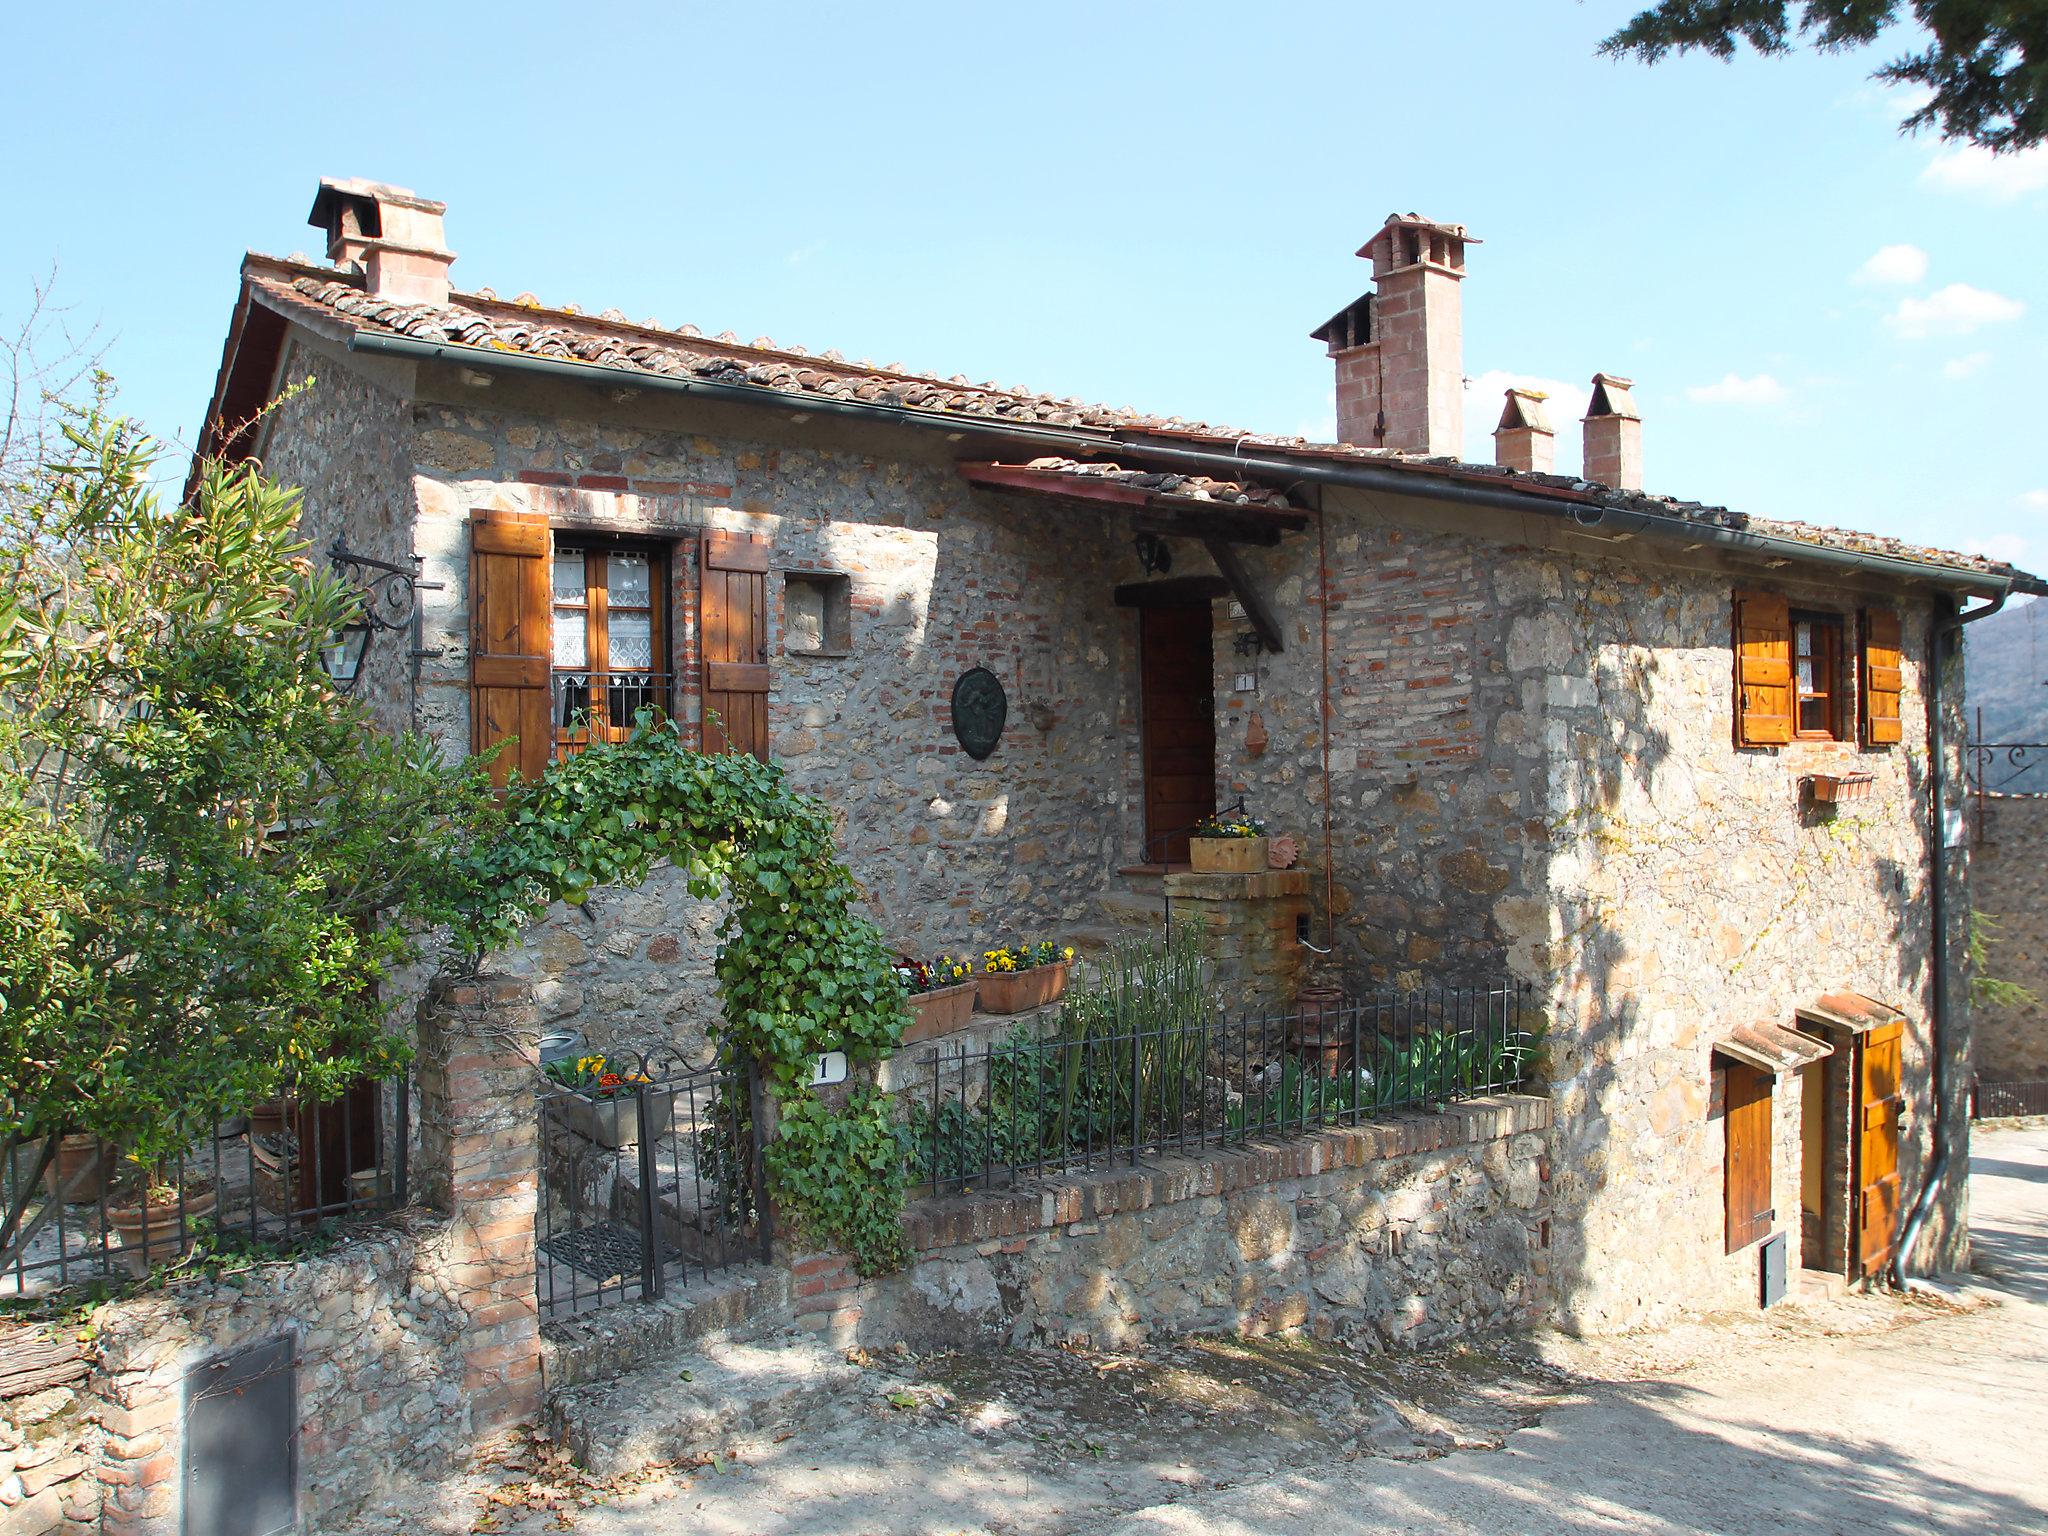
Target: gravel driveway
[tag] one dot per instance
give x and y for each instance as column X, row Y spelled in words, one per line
column 1867, row 1414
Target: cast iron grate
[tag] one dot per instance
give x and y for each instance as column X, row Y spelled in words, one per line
column 606, row 1250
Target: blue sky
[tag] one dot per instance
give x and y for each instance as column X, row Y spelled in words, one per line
column 1147, row 205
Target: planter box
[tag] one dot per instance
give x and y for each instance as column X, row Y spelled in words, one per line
column 939, row 1012
column 1842, row 788
column 1017, row 991
column 615, row 1122
column 1227, row 855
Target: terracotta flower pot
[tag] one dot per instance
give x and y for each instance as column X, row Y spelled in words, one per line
column 1016, row 991
column 76, row 1154
column 164, row 1223
column 939, row 1012
column 269, row 1118
column 1227, row 855
column 1319, row 1032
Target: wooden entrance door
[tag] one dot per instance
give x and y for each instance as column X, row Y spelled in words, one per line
column 1177, row 710
column 1878, row 1105
column 733, row 618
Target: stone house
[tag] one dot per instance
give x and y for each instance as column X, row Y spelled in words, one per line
column 1679, row 768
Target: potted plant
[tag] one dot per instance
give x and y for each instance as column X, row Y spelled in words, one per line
column 941, row 995
column 1020, row 976
column 1228, row 845
column 602, row 1104
column 153, row 1214
column 76, row 1155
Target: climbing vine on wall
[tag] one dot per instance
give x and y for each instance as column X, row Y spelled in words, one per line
column 800, row 971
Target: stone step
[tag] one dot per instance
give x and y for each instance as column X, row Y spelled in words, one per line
column 685, row 1405
column 607, row 1341
column 1131, row 909
column 1817, row 1285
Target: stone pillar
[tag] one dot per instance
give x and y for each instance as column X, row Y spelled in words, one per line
column 1251, row 922
column 480, row 1166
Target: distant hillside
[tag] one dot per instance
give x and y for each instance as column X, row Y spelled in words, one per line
column 2005, row 665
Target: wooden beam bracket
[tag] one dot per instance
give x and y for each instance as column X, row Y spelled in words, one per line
column 1256, row 608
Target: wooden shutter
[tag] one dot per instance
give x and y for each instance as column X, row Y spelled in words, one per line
column 1763, row 669
column 733, row 619
column 1746, row 1114
column 1882, row 677
column 510, row 597
column 1879, row 1103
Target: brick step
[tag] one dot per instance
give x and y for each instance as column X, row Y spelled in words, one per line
column 684, row 1405
column 739, row 1302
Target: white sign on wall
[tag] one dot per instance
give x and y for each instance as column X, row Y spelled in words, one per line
column 828, row 1068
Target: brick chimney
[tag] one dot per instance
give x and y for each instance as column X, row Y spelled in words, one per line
column 1524, row 439
column 1400, row 349
column 392, row 236
column 1614, row 435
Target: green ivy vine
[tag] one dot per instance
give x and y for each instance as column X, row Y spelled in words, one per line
column 800, row 971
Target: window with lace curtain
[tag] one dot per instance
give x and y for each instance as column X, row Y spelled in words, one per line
column 610, row 627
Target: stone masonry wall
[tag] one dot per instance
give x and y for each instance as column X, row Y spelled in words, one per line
column 1404, row 1231
column 2010, row 884
column 951, row 852
column 1685, row 889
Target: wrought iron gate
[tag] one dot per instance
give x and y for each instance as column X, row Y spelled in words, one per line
column 648, row 1173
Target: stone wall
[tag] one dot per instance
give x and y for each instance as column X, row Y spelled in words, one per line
column 2010, row 886
column 1407, row 1230
column 46, row 1431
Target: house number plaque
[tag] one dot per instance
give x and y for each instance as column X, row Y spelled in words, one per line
column 979, row 709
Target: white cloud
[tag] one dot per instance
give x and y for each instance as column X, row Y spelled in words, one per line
column 1962, row 367
column 1733, row 389
column 1955, row 310
column 2034, row 501
column 1893, row 265
column 2002, row 178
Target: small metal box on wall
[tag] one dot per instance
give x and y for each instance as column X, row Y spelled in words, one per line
column 241, row 1443
column 1774, row 1269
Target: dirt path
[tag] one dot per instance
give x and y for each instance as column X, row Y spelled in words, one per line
column 1872, row 1414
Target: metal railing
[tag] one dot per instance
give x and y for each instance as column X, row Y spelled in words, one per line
column 1027, row 1108
column 83, row 1213
column 583, row 701
column 1989, row 1101
column 647, row 1180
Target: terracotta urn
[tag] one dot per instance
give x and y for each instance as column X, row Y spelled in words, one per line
column 158, row 1225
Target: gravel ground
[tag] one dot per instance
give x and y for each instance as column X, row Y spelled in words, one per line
column 1864, row 1414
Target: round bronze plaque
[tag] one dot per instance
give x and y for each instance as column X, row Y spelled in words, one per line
column 979, row 709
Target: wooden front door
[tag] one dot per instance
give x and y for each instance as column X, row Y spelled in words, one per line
column 733, row 619
column 1878, row 1105
column 1177, row 709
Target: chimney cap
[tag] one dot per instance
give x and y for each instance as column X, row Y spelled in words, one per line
column 1611, row 397
column 1525, row 408
column 335, row 190
column 1417, row 221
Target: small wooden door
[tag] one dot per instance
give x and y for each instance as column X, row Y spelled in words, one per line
column 1746, row 1117
column 733, row 620
column 1177, row 708
column 1878, row 1106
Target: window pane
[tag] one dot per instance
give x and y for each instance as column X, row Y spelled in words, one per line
column 570, row 637
column 1806, row 674
column 626, row 581
column 1813, row 714
column 632, row 637
column 569, row 576
column 1802, row 639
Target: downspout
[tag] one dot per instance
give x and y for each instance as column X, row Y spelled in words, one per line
column 1944, row 628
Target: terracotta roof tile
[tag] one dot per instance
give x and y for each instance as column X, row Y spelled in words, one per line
column 526, row 326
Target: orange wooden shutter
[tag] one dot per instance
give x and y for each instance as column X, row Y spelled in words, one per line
column 733, row 618
column 1746, row 1113
column 1763, row 669
column 509, row 641
column 1882, row 677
